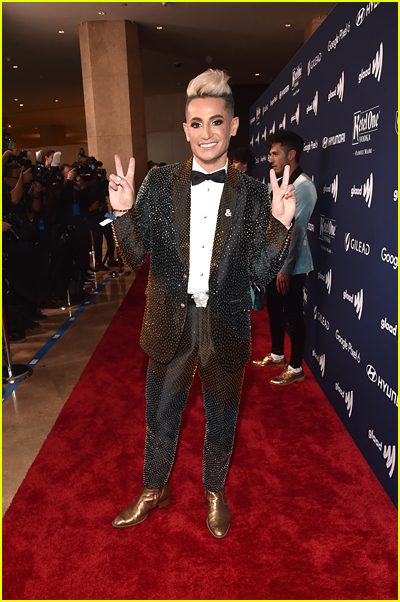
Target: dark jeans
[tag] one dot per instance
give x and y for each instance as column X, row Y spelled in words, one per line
column 287, row 309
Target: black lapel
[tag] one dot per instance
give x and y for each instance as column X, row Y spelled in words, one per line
column 225, row 215
column 181, row 208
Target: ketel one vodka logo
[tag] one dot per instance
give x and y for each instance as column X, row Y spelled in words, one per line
column 314, row 105
column 327, row 229
column 364, row 124
column 338, row 90
column 374, row 68
column 333, row 188
column 357, row 300
column 365, row 190
column 296, row 75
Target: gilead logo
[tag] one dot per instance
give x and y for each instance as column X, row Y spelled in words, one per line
column 356, row 245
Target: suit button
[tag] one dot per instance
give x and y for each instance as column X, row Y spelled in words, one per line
column 185, row 276
column 182, row 305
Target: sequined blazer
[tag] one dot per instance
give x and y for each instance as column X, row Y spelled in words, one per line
column 249, row 245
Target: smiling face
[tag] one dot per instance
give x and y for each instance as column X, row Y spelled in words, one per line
column 209, row 128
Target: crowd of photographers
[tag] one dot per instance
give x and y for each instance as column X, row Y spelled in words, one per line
column 51, row 223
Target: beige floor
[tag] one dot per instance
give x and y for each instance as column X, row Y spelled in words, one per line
column 32, row 409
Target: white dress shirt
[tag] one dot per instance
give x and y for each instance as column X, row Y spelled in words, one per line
column 205, row 200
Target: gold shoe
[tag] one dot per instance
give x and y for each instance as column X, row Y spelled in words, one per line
column 138, row 511
column 268, row 361
column 218, row 515
column 287, row 377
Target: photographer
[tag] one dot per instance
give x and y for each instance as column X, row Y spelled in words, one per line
column 19, row 242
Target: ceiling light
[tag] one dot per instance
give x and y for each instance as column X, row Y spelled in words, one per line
column 288, row 24
column 16, row 99
column 15, row 66
column 20, row 104
column 101, row 13
column 56, row 100
column 159, row 27
column 9, row 126
column 256, row 74
column 61, row 31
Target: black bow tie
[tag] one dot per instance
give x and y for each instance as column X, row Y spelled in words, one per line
column 197, row 177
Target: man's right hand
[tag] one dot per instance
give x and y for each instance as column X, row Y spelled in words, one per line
column 121, row 188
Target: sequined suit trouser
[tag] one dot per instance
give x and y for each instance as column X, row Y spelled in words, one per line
column 166, row 394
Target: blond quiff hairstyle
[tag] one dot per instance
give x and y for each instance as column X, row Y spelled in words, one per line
column 211, row 83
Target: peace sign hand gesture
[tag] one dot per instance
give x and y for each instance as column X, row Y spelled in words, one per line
column 283, row 198
column 121, row 188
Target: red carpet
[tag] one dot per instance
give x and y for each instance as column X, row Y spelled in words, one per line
column 310, row 520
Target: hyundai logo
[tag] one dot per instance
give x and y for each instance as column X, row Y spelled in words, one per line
column 360, row 17
column 371, row 373
column 325, row 142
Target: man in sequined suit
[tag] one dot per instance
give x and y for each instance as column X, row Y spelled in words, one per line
column 210, row 232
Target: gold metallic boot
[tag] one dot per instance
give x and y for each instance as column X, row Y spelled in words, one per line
column 138, row 511
column 218, row 515
column 268, row 361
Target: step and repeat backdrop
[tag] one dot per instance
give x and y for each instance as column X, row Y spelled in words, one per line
column 340, row 94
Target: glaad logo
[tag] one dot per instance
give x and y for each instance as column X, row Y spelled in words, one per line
column 338, row 90
column 386, row 326
column 327, row 278
column 318, row 316
column 296, row 116
column 347, row 346
column 347, row 396
column 282, row 125
column 357, row 300
column 384, row 387
column 364, row 12
column 313, row 63
column 296, row 75
column 264, row 136
column 390, row 259
column 333, row 188
column 375, row 68
column 305, row 295
column 258, row 113
column 364, row 123
column 252, row 141
column 327, row 229
column 356, row 245
column 388, row 452
column 314, row 105
column 321, row 361
column 258, row 138
column 272, row 130
column 366, row 190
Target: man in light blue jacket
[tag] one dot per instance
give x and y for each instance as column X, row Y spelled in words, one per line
column 285, row 292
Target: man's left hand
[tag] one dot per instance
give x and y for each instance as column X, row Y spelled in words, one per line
column 282, row 283
column 283, row 198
